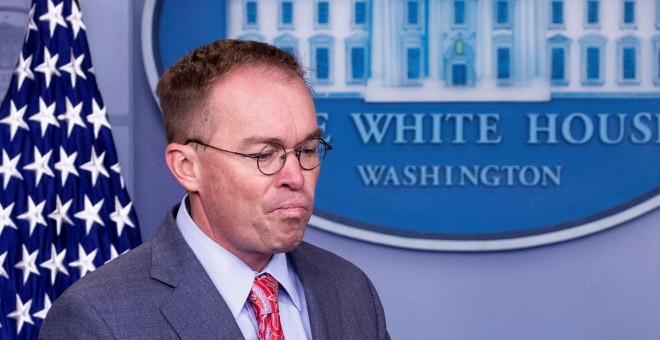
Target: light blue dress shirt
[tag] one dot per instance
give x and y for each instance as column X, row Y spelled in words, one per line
column 233, row 279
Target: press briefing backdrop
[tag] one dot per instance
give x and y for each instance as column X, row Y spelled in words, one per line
column 448, row 137
column 461, row 125
column 473, row 126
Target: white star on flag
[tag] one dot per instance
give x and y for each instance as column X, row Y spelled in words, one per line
column 73, row 68
column 75, row 19
column 120, row 216
column 72, row 116
column 49, row 66
column 54, row 16
column 60, row 214
column 3, row 272
column 8, row 168
column 22, row 313
column 47, row 304
column 85, row 262
column 55, row 264
column 27, row 264
column 98, row 117
column 23, row 69
column 15, row 119
column 40, row 164
column 90, row 214
column 117, row 168
column 34, row 215
column 67, row 165
column 45, row 116
column 95, row 166
column 5, row 218
column 32, row 26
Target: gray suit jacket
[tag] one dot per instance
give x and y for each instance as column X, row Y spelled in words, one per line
column 161, row 291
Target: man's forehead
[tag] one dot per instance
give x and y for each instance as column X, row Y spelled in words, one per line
column 252, row 80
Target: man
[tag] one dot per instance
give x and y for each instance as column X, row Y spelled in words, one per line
column 229, row 261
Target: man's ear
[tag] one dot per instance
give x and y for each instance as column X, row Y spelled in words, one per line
column 182, row 161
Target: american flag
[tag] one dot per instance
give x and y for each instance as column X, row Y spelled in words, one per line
column 64, row 208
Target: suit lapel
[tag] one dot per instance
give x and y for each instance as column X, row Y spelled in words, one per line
column 322, row 306
column 194, row 308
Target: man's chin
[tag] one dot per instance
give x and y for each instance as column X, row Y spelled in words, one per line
column 282, row 250
column 286, row 235
column 288, row 244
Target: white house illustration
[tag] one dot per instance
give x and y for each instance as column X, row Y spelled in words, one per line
column 463, row 50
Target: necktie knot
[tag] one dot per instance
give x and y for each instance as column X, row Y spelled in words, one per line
column 263, row 298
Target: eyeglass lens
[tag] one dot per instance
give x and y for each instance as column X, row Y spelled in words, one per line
column 272, row 157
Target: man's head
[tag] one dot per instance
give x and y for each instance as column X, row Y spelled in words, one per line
column 259, row 101
column 184, row 87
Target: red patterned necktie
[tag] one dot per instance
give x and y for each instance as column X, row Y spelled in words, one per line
column 263, row 298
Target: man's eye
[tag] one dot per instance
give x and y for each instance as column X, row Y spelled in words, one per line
column 308, row 151
column 264, row 156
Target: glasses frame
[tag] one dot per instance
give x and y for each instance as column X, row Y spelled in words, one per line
column 256, row 156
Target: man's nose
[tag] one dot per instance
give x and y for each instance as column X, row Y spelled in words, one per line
column 291, row 174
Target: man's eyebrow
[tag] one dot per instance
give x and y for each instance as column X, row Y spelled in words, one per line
column 316, row 134
column 269, row 140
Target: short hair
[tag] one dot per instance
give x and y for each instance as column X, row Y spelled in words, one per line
column 184, row 87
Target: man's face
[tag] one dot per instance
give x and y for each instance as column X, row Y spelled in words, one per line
column 250, row 214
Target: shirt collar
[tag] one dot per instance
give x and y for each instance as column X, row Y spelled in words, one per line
column 231, row 276
column 279, row 267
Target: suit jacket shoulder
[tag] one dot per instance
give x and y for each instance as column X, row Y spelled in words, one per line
column 157, row 290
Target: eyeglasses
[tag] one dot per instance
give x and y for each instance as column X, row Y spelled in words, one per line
column 272, row 156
